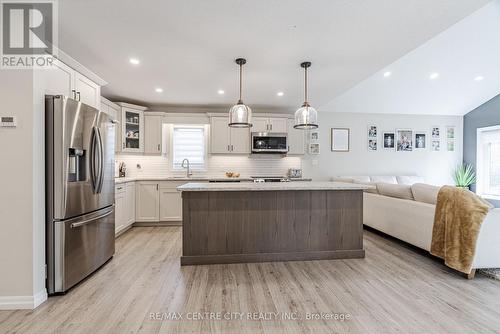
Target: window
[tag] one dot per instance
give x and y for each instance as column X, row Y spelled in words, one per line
column 188, row 142
column 488, row 161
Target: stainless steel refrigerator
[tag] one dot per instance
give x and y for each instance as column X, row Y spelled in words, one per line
column 80, row 224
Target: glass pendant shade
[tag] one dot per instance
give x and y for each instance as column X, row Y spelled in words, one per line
column 240, row 116
column 306, row 118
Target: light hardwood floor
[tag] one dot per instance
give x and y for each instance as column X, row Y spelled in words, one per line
column 395, row 289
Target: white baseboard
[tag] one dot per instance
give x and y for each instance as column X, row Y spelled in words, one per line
column 23, row 302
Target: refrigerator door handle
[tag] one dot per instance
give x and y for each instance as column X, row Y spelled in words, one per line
column 101, row 161
column 93, row 144
column 88, row 221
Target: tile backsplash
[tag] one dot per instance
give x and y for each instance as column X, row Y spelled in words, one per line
column 217, row 165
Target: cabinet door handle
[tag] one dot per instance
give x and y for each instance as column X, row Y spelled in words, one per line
column 78, row 95
column 232, row 148
column 124, row 145
column 158, row 147
column 74, row 94
column 157, row 187
column 228, row 148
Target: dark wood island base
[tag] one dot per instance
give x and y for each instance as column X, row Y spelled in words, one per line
column 261, row 226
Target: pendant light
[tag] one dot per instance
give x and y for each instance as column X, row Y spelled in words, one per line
column 306, row 117
column 240, row 115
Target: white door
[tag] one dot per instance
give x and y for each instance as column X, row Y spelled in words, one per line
column 87, row 91
column 130, row 200
column 147, row 208
column 170, row 205
column 219, row 135
column 152, row 134
column 120, row 207
column 296, row 139
column 240, row 140
column 278, row 125
column 260, row 124
column 132, row 130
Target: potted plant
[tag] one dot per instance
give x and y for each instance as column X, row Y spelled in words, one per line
column 464, row 176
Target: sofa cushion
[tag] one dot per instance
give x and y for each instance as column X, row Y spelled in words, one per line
column 425, row 193
column 395, row 190
column 384, row 179
column 372, row 191
column 409, row 180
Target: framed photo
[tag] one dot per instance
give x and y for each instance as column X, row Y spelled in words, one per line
column 436, row 145
column 450, row 145
column 436, row 132
column 404, row 140
column 372, row 144
column 450, row 132
column 389, row 140
column 372, row 131
column 314, row 136
column 420, row 140
column 340, row 139
column 314, row 148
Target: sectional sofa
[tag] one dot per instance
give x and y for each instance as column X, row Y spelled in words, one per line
column 403, row 207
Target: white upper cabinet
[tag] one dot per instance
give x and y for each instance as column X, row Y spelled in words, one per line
column 132, row 128
column 278, row 125
column 240, row 140
column 219, row 135
column 260, row 124
column 226, row 140
column 296, row 139
column 269, row 125
column 63, row 80
column 153, row 134
column 87, row 91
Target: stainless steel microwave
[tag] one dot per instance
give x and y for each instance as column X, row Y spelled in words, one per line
column 263, row 142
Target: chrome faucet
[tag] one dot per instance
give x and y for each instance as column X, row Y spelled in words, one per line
column 188, row 169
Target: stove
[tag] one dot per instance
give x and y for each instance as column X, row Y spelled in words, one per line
column 262, row 179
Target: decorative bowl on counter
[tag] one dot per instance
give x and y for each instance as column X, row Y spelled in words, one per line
column 232, row 174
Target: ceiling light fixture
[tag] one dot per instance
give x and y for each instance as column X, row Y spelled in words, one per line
column 280, row 93
column 134, row 61
column 240, row 115
column 306, row 117
column 387, row 74
column 478, row 78
column 434, row 76
column 159, row 90
column 220, row 92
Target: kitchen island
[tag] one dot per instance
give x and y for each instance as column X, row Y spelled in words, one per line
column 260, row 222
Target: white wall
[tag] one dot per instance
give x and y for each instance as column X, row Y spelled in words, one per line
column 436, row 167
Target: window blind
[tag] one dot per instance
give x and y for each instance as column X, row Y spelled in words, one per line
column 188, row 143
column 490, row 168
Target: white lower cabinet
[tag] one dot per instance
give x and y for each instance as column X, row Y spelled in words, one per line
column 147, row 207
column 120, row 207
column 130, row 200
column 124, row 206
column 170, row 201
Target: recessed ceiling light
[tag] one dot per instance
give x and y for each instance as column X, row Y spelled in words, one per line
column 434, row 76
column 280, row 93
column 159, row 90
column 387, row 74
column 134, row 61
column 220, row 92
column 478, row 78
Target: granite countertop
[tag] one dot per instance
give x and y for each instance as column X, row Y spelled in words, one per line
column 119, row 180
column 272, row 186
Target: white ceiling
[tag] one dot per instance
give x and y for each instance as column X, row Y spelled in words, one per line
column 468, row 50
column 188, row 47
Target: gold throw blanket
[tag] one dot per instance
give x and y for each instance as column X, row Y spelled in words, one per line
column 458, row 218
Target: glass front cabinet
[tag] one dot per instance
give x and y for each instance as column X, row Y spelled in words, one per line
column 132, row 128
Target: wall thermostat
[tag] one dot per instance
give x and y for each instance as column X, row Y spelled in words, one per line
column 8, row 121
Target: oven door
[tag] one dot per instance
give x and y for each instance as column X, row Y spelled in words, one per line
column 269, row 143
